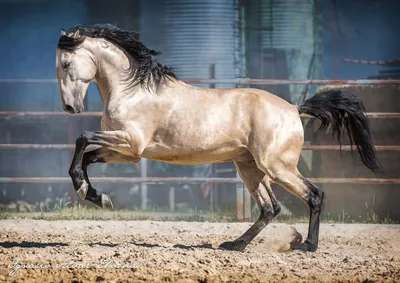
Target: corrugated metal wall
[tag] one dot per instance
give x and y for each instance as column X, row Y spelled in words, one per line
column 198, row 34
column 275, row 26
column 291, row 21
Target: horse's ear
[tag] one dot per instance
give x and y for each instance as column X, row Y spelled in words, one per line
column 63, row 32
column 76, row 34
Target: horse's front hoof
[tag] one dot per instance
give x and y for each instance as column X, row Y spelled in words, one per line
column 305, row 247
column 106, row 201
column 233, row 246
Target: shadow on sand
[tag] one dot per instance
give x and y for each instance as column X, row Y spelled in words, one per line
column 25, row 244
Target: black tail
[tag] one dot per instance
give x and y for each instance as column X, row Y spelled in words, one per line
column 344, row 112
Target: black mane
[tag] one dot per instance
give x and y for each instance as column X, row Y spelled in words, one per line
column 149, row 74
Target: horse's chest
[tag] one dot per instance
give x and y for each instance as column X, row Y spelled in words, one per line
column 111, row 121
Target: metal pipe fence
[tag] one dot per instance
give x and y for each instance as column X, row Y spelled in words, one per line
column 243, row 197
column 243, row 81
column 373, row 115
column 188, row 180
column 305, row 147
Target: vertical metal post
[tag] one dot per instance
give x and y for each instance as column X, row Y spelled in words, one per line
column 242, row 38
column 212, row 74
column 213, row 191
column 71, row 139
column 239, row 200
column 243, row 202
column 271, row 23
column 212, row 197
column 172, row 199
column 143, row 188
column 246, row 205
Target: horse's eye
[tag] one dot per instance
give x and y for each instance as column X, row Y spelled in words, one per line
column 66, row 65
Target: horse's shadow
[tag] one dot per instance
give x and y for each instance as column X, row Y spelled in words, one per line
column 192, row 247
column 26, row 244
column 103, row 244
column 177, row 246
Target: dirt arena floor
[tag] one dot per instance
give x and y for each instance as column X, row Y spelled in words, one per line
column 133, row 251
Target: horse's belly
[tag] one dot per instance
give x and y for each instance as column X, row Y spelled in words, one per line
column 177, row 156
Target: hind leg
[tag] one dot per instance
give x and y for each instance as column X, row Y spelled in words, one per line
column 269, row 208
column 314, row 199
column 287, row 175
column 279, row 161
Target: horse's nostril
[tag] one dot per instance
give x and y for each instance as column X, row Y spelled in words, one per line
column 69, row 109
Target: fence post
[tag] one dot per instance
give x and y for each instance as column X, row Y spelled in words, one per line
column 243, row 202
column 213, row 190
column 239, row 200
column 143, row 186
column 247, row 205
column 171, row 197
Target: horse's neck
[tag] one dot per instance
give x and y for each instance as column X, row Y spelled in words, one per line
column 111, row 79
column 111, row 88
column 111, row 75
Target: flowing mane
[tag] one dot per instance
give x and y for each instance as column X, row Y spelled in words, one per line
column 150, row 73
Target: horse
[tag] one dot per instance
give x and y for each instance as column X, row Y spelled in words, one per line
column 150, row 113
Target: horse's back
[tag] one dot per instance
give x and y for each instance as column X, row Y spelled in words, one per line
column 266, row 97
column 274, row 122
column 262, row 104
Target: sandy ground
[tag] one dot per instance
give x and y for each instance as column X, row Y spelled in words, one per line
column 121, row 251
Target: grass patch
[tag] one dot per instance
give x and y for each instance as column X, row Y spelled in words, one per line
column 65, row 210
column 87, row 213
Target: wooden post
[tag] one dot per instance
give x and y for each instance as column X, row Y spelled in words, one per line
column 143, row 188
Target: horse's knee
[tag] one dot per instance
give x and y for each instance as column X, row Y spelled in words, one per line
column 74, row 172
column 84, row 138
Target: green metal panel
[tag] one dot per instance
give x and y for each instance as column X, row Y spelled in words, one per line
column 281, row 23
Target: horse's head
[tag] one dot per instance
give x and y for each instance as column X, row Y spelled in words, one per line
column 116, row 57
column 76, row 67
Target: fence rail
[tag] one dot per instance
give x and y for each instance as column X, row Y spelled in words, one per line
column 161, row 180
column 243, row 81
column 242, row 196
column 373, row 115
column 8, row 146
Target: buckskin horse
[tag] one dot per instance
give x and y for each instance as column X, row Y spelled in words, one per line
column 150, row 113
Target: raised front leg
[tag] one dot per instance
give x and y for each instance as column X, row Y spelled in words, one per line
column 77, row 171
column 100, row 155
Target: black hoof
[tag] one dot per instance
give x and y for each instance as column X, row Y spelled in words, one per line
column 305, row 247
column 233, row 246
column 102, row 201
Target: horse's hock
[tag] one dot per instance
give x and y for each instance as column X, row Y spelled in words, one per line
column 361, row 200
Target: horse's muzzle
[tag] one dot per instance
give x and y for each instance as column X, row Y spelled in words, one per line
column 72, row 110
